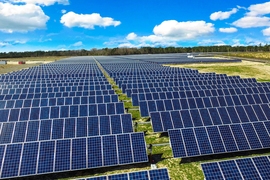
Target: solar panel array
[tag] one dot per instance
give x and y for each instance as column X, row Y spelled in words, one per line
column 153, row 174
column 245, row 168
column 182, row 101
column 63, row 116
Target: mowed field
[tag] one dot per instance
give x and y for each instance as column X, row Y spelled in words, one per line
column 245, row 69
column 12, row 63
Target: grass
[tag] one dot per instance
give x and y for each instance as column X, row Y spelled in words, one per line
column 46, row 58
column 16, row 67
column 10, row 67
column 253, row 55
column 260, row 71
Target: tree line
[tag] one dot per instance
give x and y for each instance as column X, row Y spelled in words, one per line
column 142, row 50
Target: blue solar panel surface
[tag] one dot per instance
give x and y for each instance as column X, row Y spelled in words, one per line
column 198, row 141
column 153, row 174
column 246, row 168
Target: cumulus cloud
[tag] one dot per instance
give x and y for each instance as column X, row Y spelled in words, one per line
column 222, row 15
column 259, row 9
column 11, row 43
column 41, row 2
column 183, row 30
column 255, row 17
column 131, row 36
column 63, row 11
column 266, row 32
column 78, row 44
column 87, row 21
column 228, row 30
column 211, row 42
column 21, row 18
column 251, row 21
column 168, row 33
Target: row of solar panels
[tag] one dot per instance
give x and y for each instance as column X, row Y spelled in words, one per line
column 185, row 83
column 164, row 120
column 155, row 80
column 199, row 60
column 183, row 75
column 199, row 141
column 15, row 86
column 20, row 77
column 138, row 97
column 55, row 89
column 201, row 87
column 153, row 174
column 67, row 79
column 81, row 80
column 41, row 102
column 154, row 72
column 146, row 107
column 245, row 168
column 24, row 159
column 56, row 95
column 49, row 84
column 117, row 78
column 35, row 130
column 54, row 112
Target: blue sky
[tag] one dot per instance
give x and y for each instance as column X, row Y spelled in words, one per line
column 29, row 25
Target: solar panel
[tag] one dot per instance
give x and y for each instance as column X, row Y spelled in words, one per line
column 71, row 154
column 146, row 107
column 190, row 142
column 164, row 120
column 152, row 174
column 52, row 112
column 244, row 168
column 35, row 130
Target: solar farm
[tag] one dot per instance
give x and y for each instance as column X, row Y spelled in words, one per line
column 69, row 117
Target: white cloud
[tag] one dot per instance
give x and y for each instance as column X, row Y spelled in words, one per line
column 255, row 17
column 21, row 18
column 168, row 33
column 41, row 2
column 259, row 9
column 63, row 11
column 131, row 36
column 222, row 15
column 237, row 42
column 11, row 43
column 250, row 21
column 210, row 42
column 228, row 30
column 266, row 32
column 4, row 44
column 87, row 21
column 241, row 7
column 183, row 30
column 253, row 41
column 78, row 44
column 126, row 45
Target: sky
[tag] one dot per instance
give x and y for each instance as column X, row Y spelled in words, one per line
column 30, row 25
